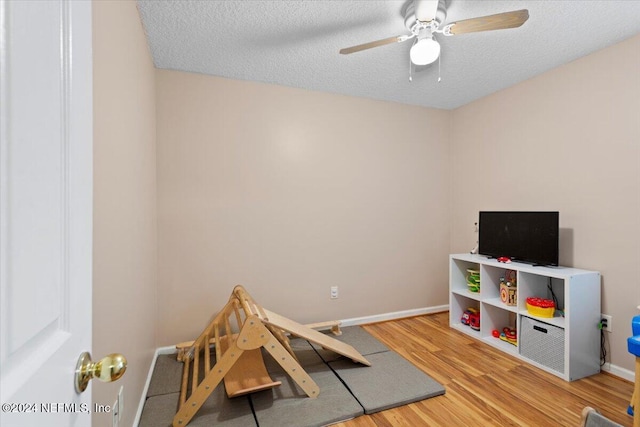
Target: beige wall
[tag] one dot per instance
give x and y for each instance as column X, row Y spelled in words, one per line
column 125, row 266
column 290, row 192
column 567, row 140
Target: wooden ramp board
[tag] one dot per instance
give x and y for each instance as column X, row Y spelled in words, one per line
column 248, row 374
column 314, row 336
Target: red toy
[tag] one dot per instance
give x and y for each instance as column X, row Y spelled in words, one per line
column 504, row 259
column 466, row 315
column 471, row 317
column 540, row 307
column 474, row 321
column 509, row 335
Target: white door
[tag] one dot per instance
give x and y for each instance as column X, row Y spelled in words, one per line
column 45, row 210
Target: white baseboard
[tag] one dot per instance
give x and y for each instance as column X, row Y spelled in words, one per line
column 143, row 396
column 623, row 373
column 393, row 315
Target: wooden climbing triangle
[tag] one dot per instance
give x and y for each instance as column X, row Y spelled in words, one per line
column 239, row 361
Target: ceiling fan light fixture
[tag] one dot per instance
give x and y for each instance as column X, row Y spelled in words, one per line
column 425, row 51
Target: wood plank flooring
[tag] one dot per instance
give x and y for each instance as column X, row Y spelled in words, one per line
column 485, row 387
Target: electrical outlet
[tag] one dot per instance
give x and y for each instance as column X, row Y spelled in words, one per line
column 334, row 292
column 120, row 402
column 609, row 322
column 115, row 414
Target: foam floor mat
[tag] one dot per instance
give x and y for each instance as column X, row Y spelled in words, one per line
column 347, row 389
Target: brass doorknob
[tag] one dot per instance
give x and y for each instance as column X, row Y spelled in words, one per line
column 110, row 368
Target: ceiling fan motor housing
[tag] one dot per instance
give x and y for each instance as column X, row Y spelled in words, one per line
column 411, row 21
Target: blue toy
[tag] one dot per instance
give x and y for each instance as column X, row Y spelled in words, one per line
column 633, row 345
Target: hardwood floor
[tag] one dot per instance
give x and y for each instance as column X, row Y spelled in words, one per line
column 485, row 387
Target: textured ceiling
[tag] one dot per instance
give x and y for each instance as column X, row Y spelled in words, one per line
column 296, row 44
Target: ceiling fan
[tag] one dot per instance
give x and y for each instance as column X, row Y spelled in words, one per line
column 424, row 18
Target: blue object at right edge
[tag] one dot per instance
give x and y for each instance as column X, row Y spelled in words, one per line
column 635, row 325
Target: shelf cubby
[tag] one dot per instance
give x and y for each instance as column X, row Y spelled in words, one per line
column 458, row 304
column 490, row 277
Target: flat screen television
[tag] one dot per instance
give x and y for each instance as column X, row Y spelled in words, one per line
column 530, row 237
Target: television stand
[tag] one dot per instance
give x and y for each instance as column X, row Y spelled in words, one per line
column 568, row 347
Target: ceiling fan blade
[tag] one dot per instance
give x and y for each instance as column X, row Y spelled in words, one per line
column 358, row 48
column 425, row 10
column 499, row 21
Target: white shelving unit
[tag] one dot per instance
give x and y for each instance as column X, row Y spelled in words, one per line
column 566, row 345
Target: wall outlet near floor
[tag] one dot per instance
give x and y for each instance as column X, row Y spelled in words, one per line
column 334, row 292
column 120, row 402
column 115, row 414
column 607, row 322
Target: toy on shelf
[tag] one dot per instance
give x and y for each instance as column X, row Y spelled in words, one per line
column 474, row 322
column 471, row 318
column 508, row 288
column 467, row 313
column 473, row 280
column 504, row 259
column 508, row 335
column 540, row 307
